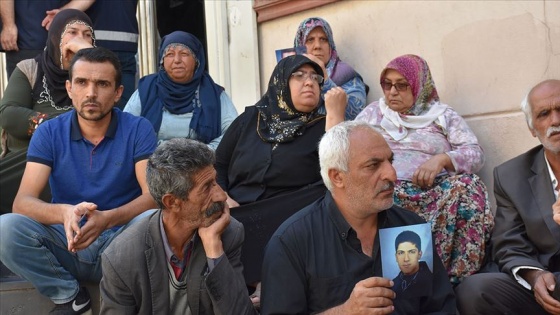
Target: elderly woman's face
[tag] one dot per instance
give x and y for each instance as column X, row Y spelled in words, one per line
column 304, row 89
column 75, row 37
column 317, row 44
column 179, row 63
column 398, row 94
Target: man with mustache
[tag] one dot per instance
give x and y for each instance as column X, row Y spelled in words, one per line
column 326, row 258
column 526, row 239
column 94, row 158
column 186, row 257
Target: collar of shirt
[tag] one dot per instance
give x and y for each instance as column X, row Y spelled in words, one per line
column 345, row 231
column 76, row 132
column 554, row 181
column 168, row 252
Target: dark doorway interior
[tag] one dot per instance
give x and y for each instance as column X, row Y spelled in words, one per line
column 182, row 15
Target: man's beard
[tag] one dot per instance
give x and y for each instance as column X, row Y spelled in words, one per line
column 94, row 116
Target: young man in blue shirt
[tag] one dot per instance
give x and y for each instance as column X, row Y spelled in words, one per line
column 94, row 158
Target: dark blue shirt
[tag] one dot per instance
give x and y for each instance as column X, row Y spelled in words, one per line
column 28, row 16
column 314, row 260
column 81, row 171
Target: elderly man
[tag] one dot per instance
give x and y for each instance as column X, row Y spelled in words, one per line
column 326, row 258
column 526, row 238
column 94, row 158
column 185, row 258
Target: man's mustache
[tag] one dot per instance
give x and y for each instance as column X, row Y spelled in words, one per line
column 387, row 186
column 215, row 207
column 552, row 130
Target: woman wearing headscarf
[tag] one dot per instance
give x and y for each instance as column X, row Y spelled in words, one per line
column 268, row 159
column 181, row 99
column 36, row 90
column 315, row 34
column 35, row 93
column 435, row 155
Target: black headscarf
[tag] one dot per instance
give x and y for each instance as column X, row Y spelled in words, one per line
column 279, row 121
column 49, row 70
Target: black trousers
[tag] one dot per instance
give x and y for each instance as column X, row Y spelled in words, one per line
column 495, row 293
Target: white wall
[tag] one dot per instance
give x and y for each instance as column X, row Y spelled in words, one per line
column 484, row 55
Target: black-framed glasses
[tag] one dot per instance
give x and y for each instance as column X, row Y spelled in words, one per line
column 302, row 76
column 400, row 87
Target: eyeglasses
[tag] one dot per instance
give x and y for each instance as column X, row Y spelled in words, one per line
column 302, row 76
column 400, row 87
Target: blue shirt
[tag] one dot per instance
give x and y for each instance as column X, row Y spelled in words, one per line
column 81, row 171
column 355, row 90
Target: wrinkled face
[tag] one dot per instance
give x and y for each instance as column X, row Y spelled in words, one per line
column 317, row 44
column 399, row 101
column 179, row 63
column 93, row 89
column 408, row 258
column 205, row 202
column 76, row 31
column 545, row 111
column 369, row 182
column 304, row 89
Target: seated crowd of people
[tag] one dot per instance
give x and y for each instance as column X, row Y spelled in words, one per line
column 177, row 205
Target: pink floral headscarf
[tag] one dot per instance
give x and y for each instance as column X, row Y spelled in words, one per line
column 417, row 73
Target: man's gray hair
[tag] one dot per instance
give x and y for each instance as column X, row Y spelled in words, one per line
column 335, row 146
column 526, row 108
column 172, row 166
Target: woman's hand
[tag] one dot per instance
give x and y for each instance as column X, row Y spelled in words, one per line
column 426, row 173
column 335, row 104
column 71, row 47
column 231, row 203
column 320, row 63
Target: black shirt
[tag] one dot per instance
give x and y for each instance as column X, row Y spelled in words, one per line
column 314, row 260
column 417, row 284
column 249, row 169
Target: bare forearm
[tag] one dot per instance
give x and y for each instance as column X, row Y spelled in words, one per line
column 337, row 310
column 127, row 212
column 81, row 5
column 40, row 211
column 7, row 13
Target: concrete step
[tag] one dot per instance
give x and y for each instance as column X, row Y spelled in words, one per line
column 18, row 296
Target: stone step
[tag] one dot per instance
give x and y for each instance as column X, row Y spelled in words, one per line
column 18, row 296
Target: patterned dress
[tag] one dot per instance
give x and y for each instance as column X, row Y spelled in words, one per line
column 457, row 203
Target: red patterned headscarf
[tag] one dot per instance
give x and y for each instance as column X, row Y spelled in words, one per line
column 417, row 73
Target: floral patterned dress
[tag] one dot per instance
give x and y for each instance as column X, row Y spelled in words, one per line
column 457, row 204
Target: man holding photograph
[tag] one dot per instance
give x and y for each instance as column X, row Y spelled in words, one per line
column 327, row 257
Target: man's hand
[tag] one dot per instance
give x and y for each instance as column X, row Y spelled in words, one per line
column 543, row 282
column 369, row 296
column 556, row 211
column 72, row 218
column 211, row 236
column 426, row 173
column 8, row 38
column 46, row 23
column 320, row 63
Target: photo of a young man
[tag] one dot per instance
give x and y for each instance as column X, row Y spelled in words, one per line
column 414, row 275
